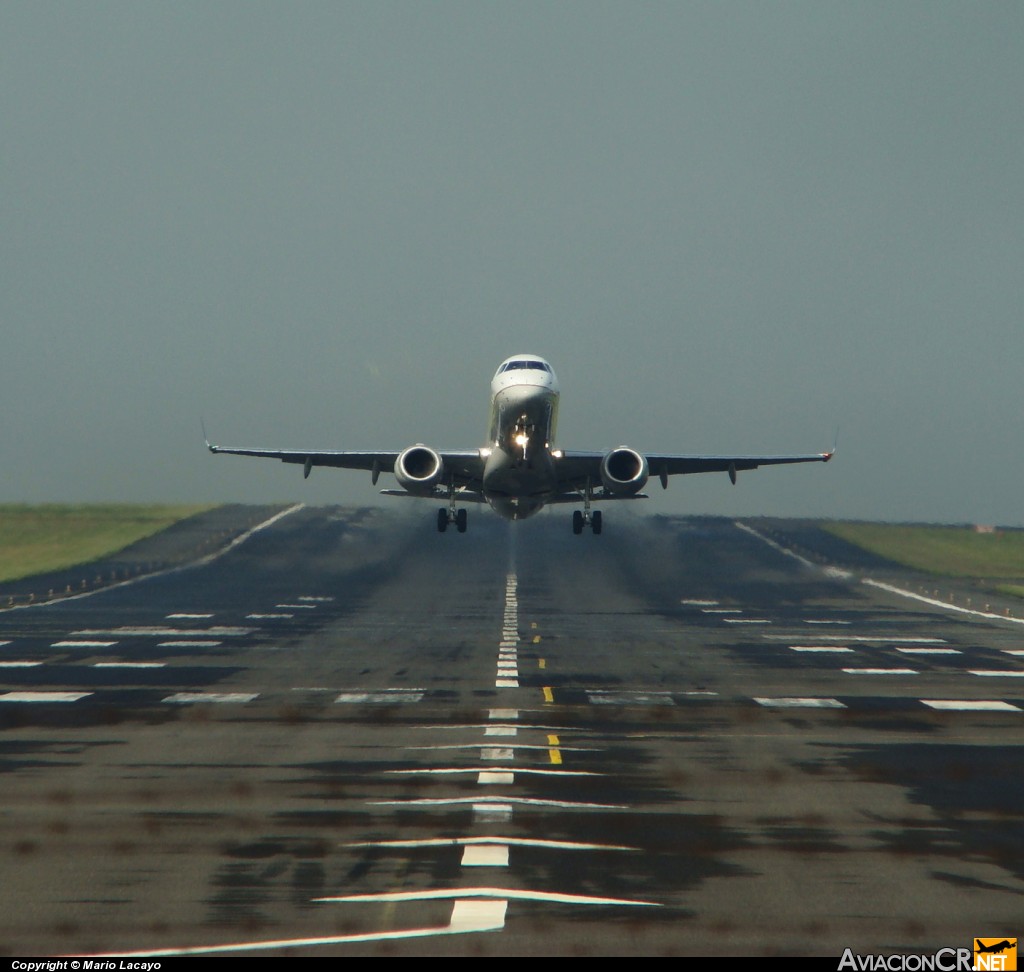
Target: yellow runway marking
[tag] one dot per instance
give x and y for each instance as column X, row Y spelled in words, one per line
column 548, row 695
column 536, row 639
column 552, row 740
column 542, row 663
column 555, row 756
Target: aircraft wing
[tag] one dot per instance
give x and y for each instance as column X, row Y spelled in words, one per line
column 575, row 468
column 466, row 465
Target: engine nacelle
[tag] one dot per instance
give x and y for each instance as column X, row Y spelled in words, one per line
column 419, row 469
column 624, row 471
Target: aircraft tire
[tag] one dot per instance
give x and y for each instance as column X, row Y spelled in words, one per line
column 442, row 520
column 595, row 522
column 460, row 520
column 577, row 522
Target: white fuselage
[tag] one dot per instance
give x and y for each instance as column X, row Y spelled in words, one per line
column 519, row 475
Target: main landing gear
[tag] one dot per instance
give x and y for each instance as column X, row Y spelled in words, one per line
column 452, row 515
column 580, row 518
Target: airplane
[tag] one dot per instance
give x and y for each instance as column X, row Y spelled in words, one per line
column 520, row 471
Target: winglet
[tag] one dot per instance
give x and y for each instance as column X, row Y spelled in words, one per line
column 825, row 456
column 206, row 438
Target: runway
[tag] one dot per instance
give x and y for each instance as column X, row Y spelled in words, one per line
column 352, row 735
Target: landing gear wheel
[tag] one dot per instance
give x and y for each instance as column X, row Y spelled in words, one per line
column 595, row 522
column 577, row 522
column 460, row 521
column 442, row 520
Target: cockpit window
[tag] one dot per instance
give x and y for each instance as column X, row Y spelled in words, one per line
column 516, row 365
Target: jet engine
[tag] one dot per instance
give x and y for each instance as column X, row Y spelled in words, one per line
column 624, row 471
column 419, row 469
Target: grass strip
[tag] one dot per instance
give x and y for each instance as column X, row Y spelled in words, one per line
column 39, row 539
column 950, row 551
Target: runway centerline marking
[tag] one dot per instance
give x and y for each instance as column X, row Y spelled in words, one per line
column 485, row 855
column 997, row 673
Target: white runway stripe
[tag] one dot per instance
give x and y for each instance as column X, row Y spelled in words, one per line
column 869, row 639
column 129, row 664
column 825, row 649
column 188, row 644
column 225, row 697
column 991, row 705
column 216, row 631
column 457, row 770
column 43, row 696
column 929, row 651
column 996, row 673
column 879, row 671
column 800, row 703
column 468, row 916
column 83, row 644
column 489, row 855
column 197, row 617
column 386, row 697
column 512, row 894
column 494, row 801
column 20, row 664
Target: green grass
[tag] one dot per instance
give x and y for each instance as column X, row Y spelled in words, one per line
column 947, row 551
column 38, row 539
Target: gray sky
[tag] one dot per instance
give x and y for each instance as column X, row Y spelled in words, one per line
column 729, row 226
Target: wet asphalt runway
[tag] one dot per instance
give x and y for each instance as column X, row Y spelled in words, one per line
column 352, row 735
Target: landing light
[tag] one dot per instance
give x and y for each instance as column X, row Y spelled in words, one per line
column 521, row 440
